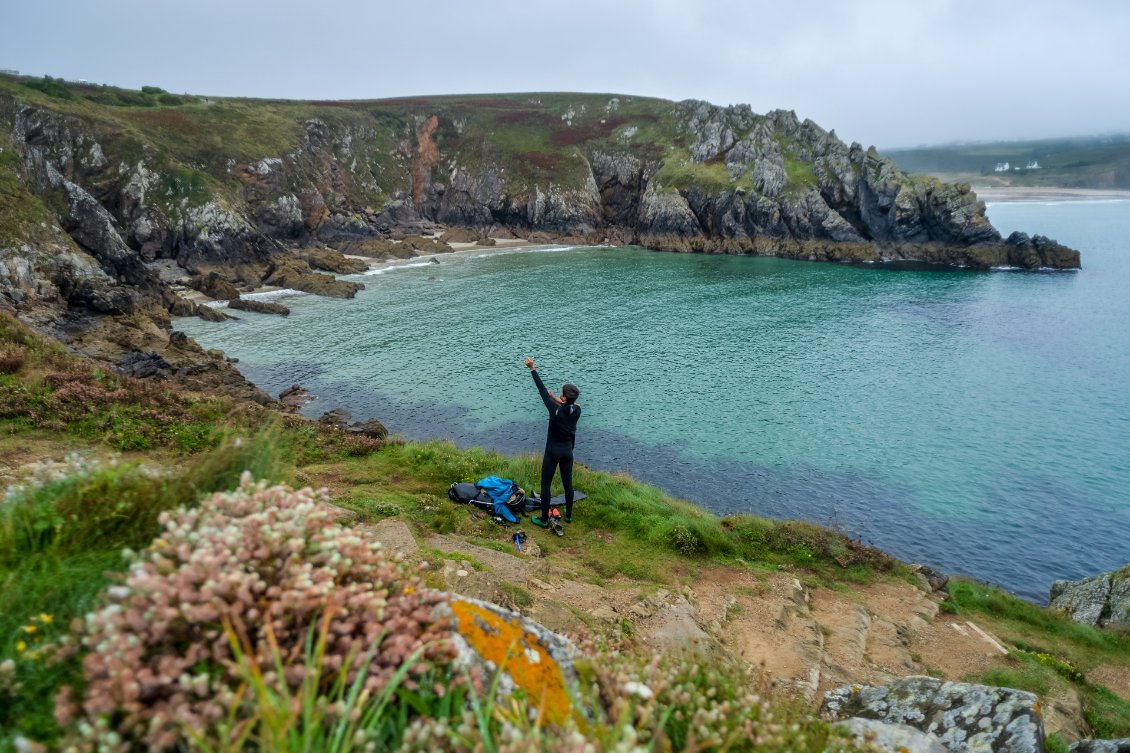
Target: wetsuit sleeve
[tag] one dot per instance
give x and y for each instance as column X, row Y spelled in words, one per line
column 550, row 404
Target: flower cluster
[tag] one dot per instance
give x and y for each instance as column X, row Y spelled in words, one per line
column 254, row 574
column 31, row 633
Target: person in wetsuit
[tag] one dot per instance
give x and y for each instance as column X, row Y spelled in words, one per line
column 564, row 414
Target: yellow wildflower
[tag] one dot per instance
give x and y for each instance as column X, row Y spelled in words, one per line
column 409, row 590
column 46, row 619
column 21, row 646
column 29, row 629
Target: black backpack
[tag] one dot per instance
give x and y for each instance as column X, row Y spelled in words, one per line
column 464, row 492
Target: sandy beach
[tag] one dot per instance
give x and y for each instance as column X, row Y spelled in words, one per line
column 1041, row 193
column 271, row 292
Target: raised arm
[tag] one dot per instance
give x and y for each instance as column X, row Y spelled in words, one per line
column 550, row 401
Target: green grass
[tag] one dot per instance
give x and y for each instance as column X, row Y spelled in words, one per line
column 679, row 171
column 624, row 527
column 1024, row 672
column 1083, row 645
column 800, row 174
column 62, row 542
column 1052, row 652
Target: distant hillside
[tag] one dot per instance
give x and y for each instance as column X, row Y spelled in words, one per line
column 111, row 200
column 1099, row 162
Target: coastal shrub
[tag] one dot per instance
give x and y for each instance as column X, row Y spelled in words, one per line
column 11, row 360
column 266, row 565
column 62, row 536
column 52, row 87
column 686, row 542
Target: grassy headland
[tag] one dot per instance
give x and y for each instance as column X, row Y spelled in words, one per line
column 68, row 536
column 1082, row 162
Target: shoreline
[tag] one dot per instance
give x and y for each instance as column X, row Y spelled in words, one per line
column 1037, row 194
column 272, row 292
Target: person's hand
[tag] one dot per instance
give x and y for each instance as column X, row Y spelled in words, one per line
column 529, row 363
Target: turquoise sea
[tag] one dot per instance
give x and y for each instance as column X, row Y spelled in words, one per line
column 974, row 421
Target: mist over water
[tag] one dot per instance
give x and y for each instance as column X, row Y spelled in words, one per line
column 975, row 421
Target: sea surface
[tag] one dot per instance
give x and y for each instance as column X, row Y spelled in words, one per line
column 975, row 421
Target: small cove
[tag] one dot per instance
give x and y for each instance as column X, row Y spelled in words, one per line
column 976, row 421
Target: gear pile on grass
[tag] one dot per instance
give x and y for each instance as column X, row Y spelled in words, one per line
column 237, row 591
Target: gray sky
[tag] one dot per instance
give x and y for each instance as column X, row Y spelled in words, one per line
column 885, row 72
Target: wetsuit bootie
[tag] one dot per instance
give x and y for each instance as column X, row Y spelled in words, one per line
column 538, row 521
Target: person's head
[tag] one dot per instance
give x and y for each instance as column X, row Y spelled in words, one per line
column 570, row 392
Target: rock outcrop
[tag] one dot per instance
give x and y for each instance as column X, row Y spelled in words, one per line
column 1102, row 601
column 258, row 307
column 965, row 718
column 108, row 196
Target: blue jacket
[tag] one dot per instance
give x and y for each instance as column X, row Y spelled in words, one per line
column 498, row 489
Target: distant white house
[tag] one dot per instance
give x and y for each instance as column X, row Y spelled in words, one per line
column 1032, row 165
column 1002, row 167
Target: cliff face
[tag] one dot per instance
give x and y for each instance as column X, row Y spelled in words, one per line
column 107, row 196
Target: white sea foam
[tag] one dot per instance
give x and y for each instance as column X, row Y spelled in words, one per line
column 394, row 267
column 272, row 295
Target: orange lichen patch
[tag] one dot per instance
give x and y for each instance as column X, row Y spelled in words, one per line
column 508, row 645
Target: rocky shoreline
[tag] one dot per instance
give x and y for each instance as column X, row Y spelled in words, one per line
column 111, row 216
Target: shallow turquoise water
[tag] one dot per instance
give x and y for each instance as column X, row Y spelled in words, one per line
column 976, row 421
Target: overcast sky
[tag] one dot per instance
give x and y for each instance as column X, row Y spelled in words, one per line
column 886, row 72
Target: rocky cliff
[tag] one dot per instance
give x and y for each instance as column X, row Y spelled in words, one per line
column 109, row 198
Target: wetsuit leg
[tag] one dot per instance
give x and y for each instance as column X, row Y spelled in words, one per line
column 567, row 481
column 548, row 468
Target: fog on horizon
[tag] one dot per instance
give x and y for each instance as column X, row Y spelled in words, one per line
column 879, row 72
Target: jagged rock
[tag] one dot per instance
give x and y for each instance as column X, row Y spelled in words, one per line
column 1040, row 251
column 282, row 218
column 182, row 307
column 461, row 235
column 890, row 737
column 144, row 365
column 329, row 260
column 214, row 286
column 100, row 296
column 210, row 314
column 535, row 661
column 378, row 248
column 370, row 428
column 424, row 246
column 295, row 274
column 338, row 417
column 294, row 397
column 930, row 579
column 1102, row 601
column 259, row 307
column 966, row 718
column 1121, row 745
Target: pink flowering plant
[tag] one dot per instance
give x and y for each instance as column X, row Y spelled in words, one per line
column 238, row 588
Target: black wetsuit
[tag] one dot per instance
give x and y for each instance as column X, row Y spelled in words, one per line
column 559, row 440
